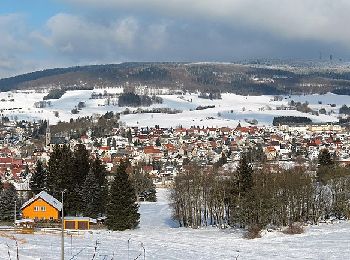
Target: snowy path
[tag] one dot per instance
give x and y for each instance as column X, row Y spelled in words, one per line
column 157, row 215
column 162, row 240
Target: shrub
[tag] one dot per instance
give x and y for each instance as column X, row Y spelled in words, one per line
column 253, row 232
column 293, row 229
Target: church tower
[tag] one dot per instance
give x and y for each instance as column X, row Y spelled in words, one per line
column 48, row 134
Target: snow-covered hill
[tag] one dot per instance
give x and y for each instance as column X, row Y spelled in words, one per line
column 228, row 111
column 162, row 239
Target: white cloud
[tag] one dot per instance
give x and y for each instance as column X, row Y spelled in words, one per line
column 82, row 39
column 13, row 34
column 320, row 20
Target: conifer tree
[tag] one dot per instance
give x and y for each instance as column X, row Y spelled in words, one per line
column 61, row 177
column 325, row 158
column 122, row 210
column 100, row 173
column 91, row 196
column 245, row 174
column 129, row 136
column 1, row 185
column 325, row 166
column 80, row 168
column 38, row 180
column 8, row 197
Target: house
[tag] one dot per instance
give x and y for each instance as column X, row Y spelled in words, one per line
column 42, row 206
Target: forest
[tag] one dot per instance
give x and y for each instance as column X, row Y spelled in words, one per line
column 261, row 197
column 208, row 78
column 285, row 120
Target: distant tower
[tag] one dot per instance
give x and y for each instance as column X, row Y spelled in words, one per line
column 48, row 134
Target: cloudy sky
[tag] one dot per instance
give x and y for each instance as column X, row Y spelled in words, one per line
column 39, row 34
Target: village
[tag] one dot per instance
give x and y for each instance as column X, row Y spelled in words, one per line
column 163, row 153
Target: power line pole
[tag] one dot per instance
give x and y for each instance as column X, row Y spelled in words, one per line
column 15, row 217
column 62, row 229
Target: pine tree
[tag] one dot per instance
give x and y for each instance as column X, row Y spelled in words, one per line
column 91, row 196
column 158, row 142
column 100, row 173
column 1, row 185
column 245, row 174
column 129, row 136
column 38, row 180
column 7, row 203
column 122, row 210
column 80, row 169
column 326, row 166
column 60, row 176
column 325, row 158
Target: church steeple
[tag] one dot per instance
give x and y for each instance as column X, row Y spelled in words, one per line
column 48, row 134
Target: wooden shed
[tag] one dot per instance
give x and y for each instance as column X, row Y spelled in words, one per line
column 78, row 223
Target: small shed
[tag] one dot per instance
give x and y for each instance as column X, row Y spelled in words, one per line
column 78, row 223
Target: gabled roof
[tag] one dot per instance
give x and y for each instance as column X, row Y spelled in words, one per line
column 46, row 197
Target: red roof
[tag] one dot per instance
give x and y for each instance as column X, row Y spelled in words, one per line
column 151, row 150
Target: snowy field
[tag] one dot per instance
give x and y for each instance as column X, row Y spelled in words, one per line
column 162, row 239
column 228, row 111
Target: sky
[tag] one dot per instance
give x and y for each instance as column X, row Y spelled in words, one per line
column 39, row 34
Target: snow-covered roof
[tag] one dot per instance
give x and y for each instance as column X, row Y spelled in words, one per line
column 27, row 220
column 91, row 220
column 46, row 197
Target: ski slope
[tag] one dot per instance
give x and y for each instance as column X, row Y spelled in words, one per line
column 162, row 239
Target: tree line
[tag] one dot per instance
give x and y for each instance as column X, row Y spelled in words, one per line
column 261, row 197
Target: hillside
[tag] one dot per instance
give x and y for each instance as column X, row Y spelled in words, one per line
column 244, row 79
column 159, row 236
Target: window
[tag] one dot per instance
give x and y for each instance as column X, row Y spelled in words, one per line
column 36, row 208
column 43, row 208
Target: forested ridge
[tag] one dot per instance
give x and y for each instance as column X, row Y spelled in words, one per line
column 210, row 78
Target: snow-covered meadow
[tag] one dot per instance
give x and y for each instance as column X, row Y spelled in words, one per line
column 160, row 238
column 228, row 111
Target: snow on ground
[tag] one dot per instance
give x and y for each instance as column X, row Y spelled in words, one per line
column 162, row 239
column 229, row 111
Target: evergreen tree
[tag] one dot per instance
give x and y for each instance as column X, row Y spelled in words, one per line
column 38, row 180
column 91, row 196
column 245, row 174
column 8, row 197
column 325, row 166
column 60, row 176
column 80, row 169
column 122, row 210
column 325, row 158
column 158, row 142
column 100, row 173
column 142, row 183
column 129, row 136
column 81, row 163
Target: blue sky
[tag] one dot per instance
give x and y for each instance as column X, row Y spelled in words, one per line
column 40, row 34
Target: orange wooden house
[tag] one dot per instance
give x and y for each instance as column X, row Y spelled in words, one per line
column 42, row 206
